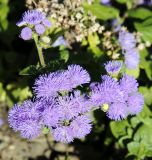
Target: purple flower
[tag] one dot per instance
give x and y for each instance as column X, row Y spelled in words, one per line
column 26, row 33
column 24, row 118
column 127, row 40
column 132, row 59
column 128, row 84
column 128, row 45
column 82, row 102
column 113, row 67
column 107, row 92
column 33, row 17
column 118, row 99
column 16, row 116
column 72, row 105
column 1, row 122
column 117, row 111
column 81, row 126
column 40, row 29
column 60, row 41
column 47, row 23
column 68, row 107
column 51, row 114
column 75, row 76
column 48, row 85
column 30, row 129
column 63, row 134
column 105, row 2
column 135, row 103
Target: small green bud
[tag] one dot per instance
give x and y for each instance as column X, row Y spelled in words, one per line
column 46, row 39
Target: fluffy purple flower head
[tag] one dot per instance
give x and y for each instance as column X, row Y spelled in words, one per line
column 129, row 84
column 67, row 106
column 81, row 126
column 75, row 75
column 82, row 102
column 113, row 67
column 117, row 111
column 33, row 17
column 30, row 129
column 17, row 115
column 107, row 92
column 26, row 33
column 51, row 114
column 127, row 40
column 135, row 103
column 48, row 85
column 40, row 29
column 51, row 117
column 132, row 59
column 63, row 134
column 72, row 105
column 60, row 41
column 47, row 23
column 21, row 117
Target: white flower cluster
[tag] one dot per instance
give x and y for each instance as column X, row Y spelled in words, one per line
column 70, row 15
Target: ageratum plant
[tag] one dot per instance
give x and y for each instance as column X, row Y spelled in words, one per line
column 91, row 85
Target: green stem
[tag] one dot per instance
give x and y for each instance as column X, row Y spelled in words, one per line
column 40, row 52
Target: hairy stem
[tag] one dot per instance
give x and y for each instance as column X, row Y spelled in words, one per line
column 40, row 52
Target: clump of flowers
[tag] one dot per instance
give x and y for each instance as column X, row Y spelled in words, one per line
column 70, row 15
column 57, row 107
column 35, row 22
column 113, row 67
column 128, row 45
column 118, row 98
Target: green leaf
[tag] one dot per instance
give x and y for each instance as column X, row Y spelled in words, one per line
column 133, row 148
column 2, row 93
column 30, row 70
column 93, row 40
column 119, row 128
column 22, row 93
column 64, row 55
column 145, row 63
column 102, row 12
column 143, row 134
column 137, row 149
column 146, row 31
column 122, row 1
column 147, row 93
column 140, row 13
column 133, row 72
column 134, row 121
column 4, row 10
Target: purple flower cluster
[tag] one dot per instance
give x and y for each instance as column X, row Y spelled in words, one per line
column 113, row 67
column 49, row 85
column 121, row 97
column 33, row 20
column 57, row 107
column 128, row 45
